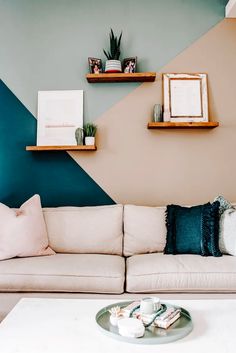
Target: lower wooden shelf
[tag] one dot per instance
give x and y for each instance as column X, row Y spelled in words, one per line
column 61, row 148
column 183, row 125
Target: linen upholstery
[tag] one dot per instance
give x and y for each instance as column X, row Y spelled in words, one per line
column 144, row 229
column 227, row 239
column 23, row 231
column 180, row 273
column 94, row 230
column 64, row 273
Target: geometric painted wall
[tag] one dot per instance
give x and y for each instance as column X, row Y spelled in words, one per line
column 55, row 176
column 157, row 167
column 44, row 46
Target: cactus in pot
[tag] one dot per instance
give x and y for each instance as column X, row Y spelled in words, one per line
column 113, row 63
column 79, row 136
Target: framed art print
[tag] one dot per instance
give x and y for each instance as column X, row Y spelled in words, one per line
column 60, row 113
column 185, row 97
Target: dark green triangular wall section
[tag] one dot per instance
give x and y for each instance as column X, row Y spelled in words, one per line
column 54, row 175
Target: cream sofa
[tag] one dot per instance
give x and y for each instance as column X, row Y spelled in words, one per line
column 111, row 250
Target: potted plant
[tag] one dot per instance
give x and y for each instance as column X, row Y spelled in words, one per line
column 90, row 132
column 113, row 63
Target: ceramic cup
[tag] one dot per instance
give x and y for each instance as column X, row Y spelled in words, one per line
column 150, row 305
column 147, row 306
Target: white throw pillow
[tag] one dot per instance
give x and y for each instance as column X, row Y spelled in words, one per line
column 23, row 231
column 227, row 236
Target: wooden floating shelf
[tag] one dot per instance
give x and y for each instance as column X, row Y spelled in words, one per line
column 181, row 125
column 61, row 148
column 121, row 77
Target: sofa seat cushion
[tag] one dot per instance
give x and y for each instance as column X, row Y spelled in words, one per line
column 90, row 273
column 180, row 273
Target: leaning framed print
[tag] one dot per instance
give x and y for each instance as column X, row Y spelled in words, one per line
column 60, row 113
column 185, row 97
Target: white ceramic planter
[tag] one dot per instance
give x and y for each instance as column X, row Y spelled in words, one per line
column 89, row 141
column 113, row 66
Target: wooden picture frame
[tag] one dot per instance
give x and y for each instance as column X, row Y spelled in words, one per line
column 95, row 65
column 129, row 65
column 185, row 97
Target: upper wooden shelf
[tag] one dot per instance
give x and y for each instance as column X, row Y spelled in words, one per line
column 61, row 148
column 181, row 125
column 121, row 77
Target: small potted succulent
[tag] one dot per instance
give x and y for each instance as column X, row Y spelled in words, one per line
column 113, row 63
column 89, row 133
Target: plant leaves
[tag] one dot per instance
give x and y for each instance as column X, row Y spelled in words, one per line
column 114, row 53
column 106, row 54
column 119, row 40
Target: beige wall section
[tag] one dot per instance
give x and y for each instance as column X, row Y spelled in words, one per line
column 140, row 166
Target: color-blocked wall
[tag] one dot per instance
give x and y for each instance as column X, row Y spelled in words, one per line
column 154, row 167
column 45, row 45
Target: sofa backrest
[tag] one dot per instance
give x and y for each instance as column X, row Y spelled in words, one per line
column 85, row 229
column 144, row 229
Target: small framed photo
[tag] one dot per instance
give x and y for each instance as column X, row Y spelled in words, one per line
column 130, row 65
column 95, row 65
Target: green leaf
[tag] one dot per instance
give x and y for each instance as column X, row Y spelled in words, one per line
column 119, row 40
column 106, row 54
column 90, row 129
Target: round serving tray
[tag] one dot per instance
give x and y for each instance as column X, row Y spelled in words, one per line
column 153, row 335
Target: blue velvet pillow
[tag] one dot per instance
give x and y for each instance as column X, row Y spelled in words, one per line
column 193, row 230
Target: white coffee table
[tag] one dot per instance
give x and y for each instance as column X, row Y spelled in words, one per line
column 68, row 326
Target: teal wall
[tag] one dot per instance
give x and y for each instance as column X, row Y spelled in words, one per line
column 44, row 45
column 55, row 176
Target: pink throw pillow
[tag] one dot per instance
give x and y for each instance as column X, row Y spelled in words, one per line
column 23, row 231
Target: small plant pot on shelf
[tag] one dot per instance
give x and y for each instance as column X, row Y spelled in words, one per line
column 113, row 66
column 89, row 141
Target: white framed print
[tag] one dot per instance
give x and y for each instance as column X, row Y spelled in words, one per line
column 185, row 97
column 60, row 113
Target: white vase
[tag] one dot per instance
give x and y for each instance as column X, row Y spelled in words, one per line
column 89, row 141
column 113, row 66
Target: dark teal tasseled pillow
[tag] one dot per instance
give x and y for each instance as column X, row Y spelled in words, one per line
column 193, row 230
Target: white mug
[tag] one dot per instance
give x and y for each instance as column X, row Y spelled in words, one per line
column 147, row 306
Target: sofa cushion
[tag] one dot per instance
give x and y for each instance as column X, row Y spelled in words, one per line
column 144, row 229
column 64, row 273
column 224, row 204
column 180, row 273
column 227, row 239
column 193, row 230
column 23, row 231
column 85, row 229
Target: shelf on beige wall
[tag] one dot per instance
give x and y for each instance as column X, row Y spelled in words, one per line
column 183, row 125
